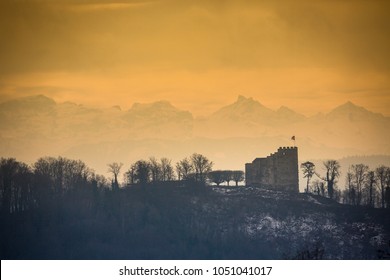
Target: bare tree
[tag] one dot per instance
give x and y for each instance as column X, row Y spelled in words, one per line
column 359, row 175
column 380, row 174
column 202, row 166
column 167, row 173
column 370, row 190
column 238, row 176
column 387, row 196
column 216, row 176
column 100, row 181
column 23, row 190
column 76, row 174
column 387, row 189
column 61, row 174
column 351, row 192
column 184, row 168
column 308, row 169
column 115, row 169
column 227, row 176
column 318, row 188
column 130, row 175
column 337, row 194
column 179, row 171
column 332, row 168
column 142, row 172
column 155, row 169
column 8, row 173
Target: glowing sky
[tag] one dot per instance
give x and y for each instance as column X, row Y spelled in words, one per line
column 308, row 55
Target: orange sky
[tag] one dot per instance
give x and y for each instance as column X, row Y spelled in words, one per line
column 308, row 55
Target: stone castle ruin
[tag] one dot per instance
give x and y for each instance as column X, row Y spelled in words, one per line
column 278, row 171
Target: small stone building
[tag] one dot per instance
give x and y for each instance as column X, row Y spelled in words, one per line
column 277, row 171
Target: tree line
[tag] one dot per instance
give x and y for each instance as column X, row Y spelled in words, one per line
column 59, row 208
column 363, row 187
column 25, row 186
column 195, row 168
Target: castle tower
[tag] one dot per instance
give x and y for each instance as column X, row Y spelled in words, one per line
column 278, row 171
column 286, row 169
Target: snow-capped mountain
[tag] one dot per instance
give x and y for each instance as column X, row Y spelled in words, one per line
column 244, row 109
column 36, row 126
column 246, row 117
column 158, row 120
column 353, row 113
column 248, row 110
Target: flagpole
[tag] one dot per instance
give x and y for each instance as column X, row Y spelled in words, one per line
column 293, row 138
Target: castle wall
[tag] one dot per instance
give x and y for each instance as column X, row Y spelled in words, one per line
column 277, row 171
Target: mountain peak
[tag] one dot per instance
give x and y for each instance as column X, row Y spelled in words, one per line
column 242, row 98
column 352, row 112
column 246, row 100
column 349, row 103
column 244, row 108
column 348, row 107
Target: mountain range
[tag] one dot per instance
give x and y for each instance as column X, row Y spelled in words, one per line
column 35, row 126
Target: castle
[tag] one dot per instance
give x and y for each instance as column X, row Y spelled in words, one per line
column 277, row 171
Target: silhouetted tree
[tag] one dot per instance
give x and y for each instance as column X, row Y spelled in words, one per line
column 359, row 176
column 387, row 189
column 13, row 185
column 8, row 170
column 227, row 176
column 100, row 181
column 332, row 168
column 142, row 172
column 380, row 174
column 351, row 192
column 130, row 175
column 337, row 194
column 308, row 169
column 115, row 169
column 167, row 173
column 216, row 176
column 77, row 174
column 318, row 188
column 184, row 168
column 23, row 191
column 387, row 196
column 202, row 166
column 238, row 176
column 155, row 169
column 58, row 175
column 370, row 190
column 47, row 175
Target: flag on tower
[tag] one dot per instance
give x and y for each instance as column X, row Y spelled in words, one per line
column 293, row 137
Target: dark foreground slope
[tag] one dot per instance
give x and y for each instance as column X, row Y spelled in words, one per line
column 165, row 222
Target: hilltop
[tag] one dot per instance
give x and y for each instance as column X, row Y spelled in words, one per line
column 163, row 222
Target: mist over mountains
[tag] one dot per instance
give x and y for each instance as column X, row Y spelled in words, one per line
column 35, row 126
